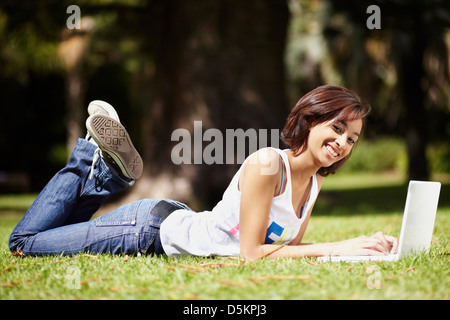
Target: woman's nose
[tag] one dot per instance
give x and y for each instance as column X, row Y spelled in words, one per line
column 341, row 141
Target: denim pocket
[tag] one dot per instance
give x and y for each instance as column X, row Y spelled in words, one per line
column 123, row 216
column 155, row 221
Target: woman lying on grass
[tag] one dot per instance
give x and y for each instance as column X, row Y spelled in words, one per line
column 264, row 211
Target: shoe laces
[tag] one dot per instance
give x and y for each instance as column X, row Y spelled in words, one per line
column 97, row 154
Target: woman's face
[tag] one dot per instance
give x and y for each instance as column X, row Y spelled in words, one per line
column 331, row 141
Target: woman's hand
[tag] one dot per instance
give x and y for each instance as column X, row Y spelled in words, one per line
column 375, row 245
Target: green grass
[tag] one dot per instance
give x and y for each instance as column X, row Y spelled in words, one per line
column 348, row 207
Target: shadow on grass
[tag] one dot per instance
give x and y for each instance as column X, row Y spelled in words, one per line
column 373, row 200
column 356, row 201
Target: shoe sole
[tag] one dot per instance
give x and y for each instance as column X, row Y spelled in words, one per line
column 113, row 138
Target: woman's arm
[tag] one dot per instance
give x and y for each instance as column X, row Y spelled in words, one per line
column 257, row 190
column 377, row 244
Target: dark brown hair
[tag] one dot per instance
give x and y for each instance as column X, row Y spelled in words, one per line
column 322, row 104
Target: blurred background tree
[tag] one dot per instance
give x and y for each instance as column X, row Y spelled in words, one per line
column 402, row 69
column 231, row 64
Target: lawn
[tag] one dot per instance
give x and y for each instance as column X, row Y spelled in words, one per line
column 347, row 207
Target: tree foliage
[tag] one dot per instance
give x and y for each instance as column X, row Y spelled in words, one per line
column 231, row 64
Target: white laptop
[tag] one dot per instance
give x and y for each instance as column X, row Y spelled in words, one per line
column 417, row 226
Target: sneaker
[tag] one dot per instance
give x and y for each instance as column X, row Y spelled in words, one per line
column 115, row 144
column 102, row 107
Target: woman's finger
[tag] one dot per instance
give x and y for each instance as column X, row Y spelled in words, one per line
column 377, row 244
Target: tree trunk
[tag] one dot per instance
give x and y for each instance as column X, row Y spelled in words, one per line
column 410, row 76
column 219, row 62
column 73, row 51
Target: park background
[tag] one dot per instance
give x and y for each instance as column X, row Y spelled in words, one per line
column 164, row 64
column 230, row 64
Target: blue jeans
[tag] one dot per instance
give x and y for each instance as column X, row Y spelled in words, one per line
column 58, row 220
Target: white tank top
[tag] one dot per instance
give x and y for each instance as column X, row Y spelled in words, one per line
column 216, row 232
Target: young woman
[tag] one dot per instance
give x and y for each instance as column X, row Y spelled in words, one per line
column 263, row 212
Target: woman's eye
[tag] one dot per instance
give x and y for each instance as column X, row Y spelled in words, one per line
column 337, row 128
column 350, row 140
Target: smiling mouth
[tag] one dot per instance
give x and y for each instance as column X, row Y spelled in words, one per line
column 331, row 151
